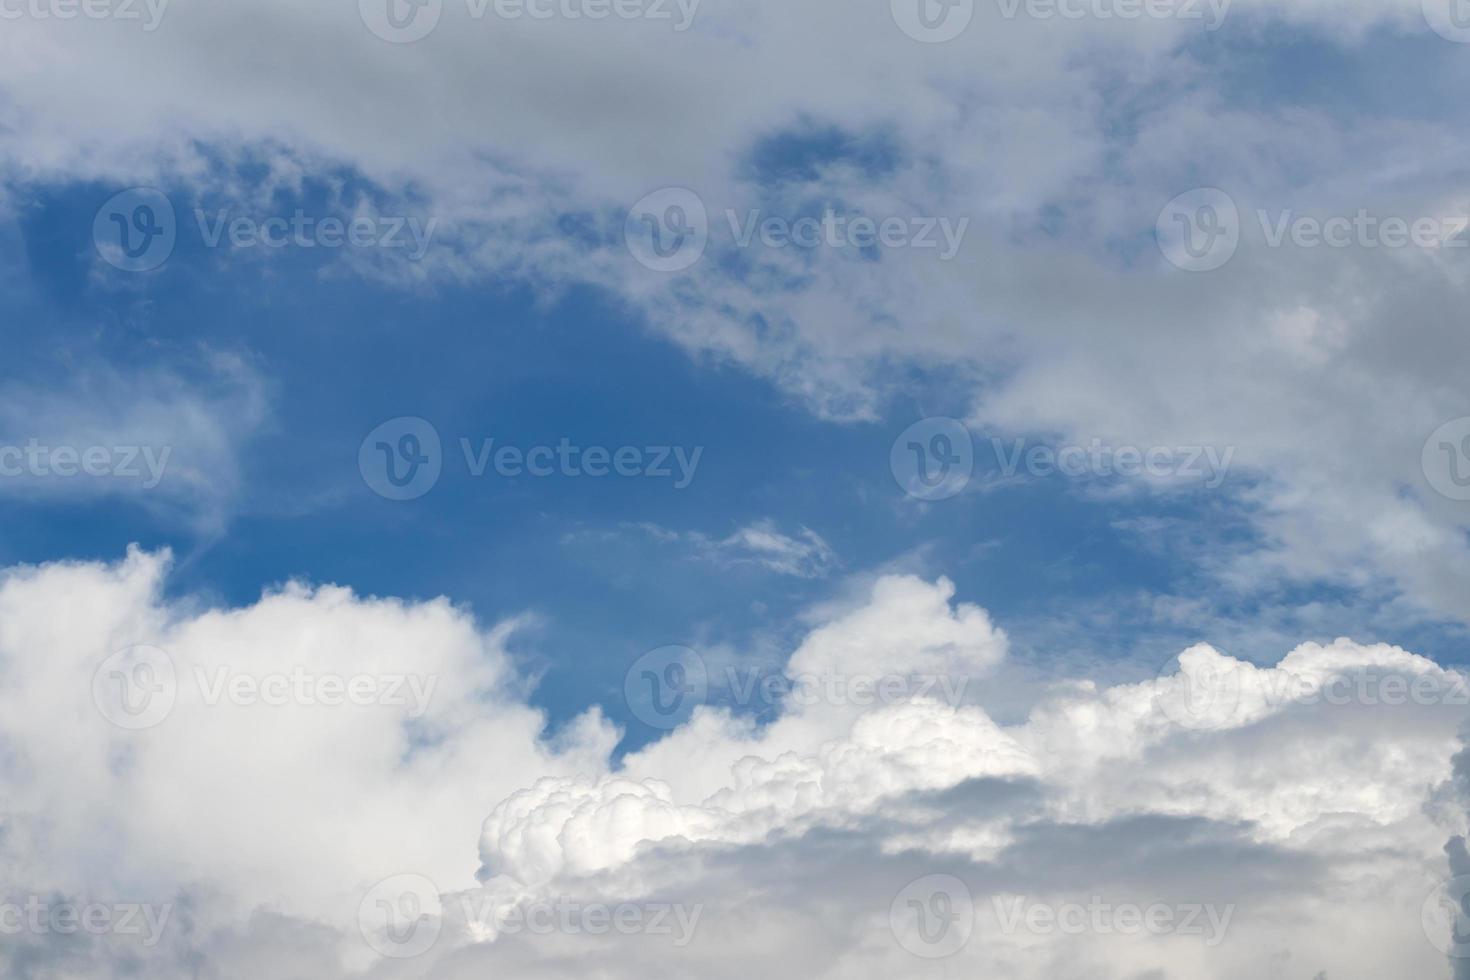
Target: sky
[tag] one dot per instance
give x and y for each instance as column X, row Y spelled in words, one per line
column 647, row 487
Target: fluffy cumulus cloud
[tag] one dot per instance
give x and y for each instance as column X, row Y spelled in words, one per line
column 344, row 786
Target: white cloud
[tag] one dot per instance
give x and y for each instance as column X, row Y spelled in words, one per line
column 1296, row 804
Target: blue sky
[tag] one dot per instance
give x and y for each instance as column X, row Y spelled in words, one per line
column 1092, row 370
column 616, row 566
